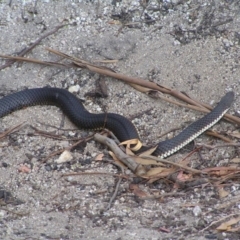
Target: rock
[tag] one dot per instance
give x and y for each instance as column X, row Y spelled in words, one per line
column 197, row 211
column 64, row 157
column 74, row 89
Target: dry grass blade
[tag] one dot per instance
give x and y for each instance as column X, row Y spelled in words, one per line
column 224, row 169
column 173, row 164
column 218, row 221
column 147, row 161
column 148, row 152
column 137, row 191
column 20, row 214
column 217, row 135
column 48, row 134
column 235, row 134
column 33, row 45
column 33, row 60
column 220, row 145
column 227, row 226
column 94, row 173
column 159, row 172
column 228, row 176
column 11, row 130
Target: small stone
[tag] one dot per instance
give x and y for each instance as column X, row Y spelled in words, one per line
column 197, row 211
column 64, row 157
column 234, row 189
column 2, row 214
column 4, row 164
column 48, row 167
column 176, row 43
column 74, row 89
column 71, row 134
column 70, row 179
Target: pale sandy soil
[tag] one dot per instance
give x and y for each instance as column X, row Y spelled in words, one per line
column 192, row 46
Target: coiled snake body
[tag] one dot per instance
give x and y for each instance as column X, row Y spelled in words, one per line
column 119, row 125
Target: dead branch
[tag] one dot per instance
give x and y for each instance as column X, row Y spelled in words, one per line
column 127, row 160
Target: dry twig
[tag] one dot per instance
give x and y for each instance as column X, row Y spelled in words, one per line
column 11, row 130
column 33, row 45
column 127, row 160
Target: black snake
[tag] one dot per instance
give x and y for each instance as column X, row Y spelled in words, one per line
column 119, row 125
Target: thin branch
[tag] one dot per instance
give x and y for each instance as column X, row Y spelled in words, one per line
column 11, row 130
column 117, row 185
column 33, row 45
column 127, row 160
column 114, row 194
column 94, row 173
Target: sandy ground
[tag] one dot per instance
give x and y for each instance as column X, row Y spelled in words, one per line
column 191, row 46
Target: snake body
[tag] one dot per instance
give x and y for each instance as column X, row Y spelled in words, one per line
column 119, row 125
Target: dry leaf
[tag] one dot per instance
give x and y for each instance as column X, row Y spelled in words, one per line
column 136, row 142
column 161, row 174
column 114, row 22
column 145, row 161
column 222, row 193
column 221, row 171
column 163, row 229
column 235, row 134
column 235, row 160
column 106, row 61
column 183, row 177
column 24, row 169
column 99, row 157
column 226, row 226
column 234, row 229
column 148, row 152
column 137, row 191
column 129, row 152
column 155, row 171
column 140, row 88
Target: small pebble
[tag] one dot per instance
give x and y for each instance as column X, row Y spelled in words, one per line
column 74, row 89
column 70, row 179
column 48, row 168
column 197, row 211
column 4, row 164
column 2, row 214
column 64, row 157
